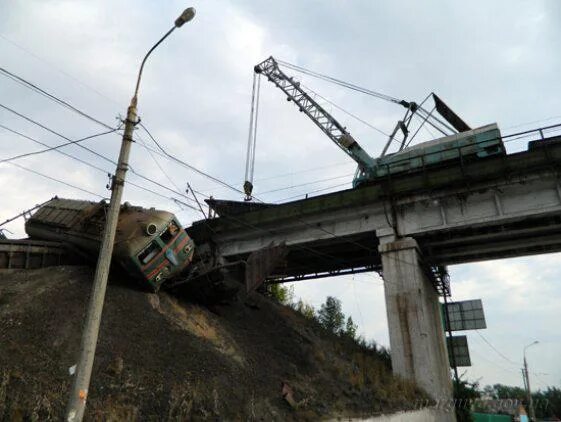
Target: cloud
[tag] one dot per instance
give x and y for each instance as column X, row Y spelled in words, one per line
column 490, row 61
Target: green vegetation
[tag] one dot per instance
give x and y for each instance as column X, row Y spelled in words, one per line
column 330, row 315
column 468, row 396
column 331, row 318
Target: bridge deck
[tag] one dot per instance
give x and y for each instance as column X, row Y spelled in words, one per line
column 463, row 211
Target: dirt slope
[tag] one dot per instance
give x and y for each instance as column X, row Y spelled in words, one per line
column 159, row 359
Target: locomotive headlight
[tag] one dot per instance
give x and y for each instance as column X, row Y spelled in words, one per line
column 151, row 229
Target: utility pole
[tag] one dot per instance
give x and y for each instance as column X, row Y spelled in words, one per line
column 79, row 393
column 527, row 384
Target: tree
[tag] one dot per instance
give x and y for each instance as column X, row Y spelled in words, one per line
column 330, row 315
column 305, row 309
column 281, row 294
column 465, row 393
column 350, row 328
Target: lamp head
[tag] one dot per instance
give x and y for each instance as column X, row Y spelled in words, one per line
column 185, row 17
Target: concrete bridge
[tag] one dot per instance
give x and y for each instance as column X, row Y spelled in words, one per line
column 403, row 226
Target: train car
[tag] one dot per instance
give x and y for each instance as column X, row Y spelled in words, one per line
column 150, row 245
column 476, row 143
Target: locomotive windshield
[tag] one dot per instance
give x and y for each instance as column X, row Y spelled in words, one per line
column 150, row 252
column 170, row 232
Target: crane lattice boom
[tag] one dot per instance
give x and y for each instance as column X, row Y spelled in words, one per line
column 331, row 127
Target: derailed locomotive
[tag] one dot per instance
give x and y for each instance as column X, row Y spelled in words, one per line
column 150, row 245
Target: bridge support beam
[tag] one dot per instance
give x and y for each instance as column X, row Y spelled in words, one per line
column 418, row 351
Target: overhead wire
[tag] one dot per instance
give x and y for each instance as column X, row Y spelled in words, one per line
column 305, row 184
column 313, row 191
column 66, row 104
column 100, row 169
column 238, row 190
column 133, row 170
column 280, row 175
column 55, row 179
column 191, row 167
column 496, row 350
column 68, row 75
column 141, row 176
column 35, row 122
column 56, row 147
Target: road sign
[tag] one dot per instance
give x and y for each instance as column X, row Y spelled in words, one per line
column 459, row 346
column 465, row 315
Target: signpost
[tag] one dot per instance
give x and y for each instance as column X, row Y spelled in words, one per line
column 465, row 315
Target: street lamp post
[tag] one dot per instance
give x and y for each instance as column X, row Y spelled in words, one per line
column 79, row 393
column 527, row 383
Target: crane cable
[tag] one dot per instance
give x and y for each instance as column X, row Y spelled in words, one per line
column 341, row 82
column 252, row 137
column 425, row 113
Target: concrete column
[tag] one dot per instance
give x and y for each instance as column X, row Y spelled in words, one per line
column 418, row 350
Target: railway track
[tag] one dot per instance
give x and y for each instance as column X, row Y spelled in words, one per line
column 30, row 254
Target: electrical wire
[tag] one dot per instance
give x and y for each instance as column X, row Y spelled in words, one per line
column 55, row 180
column 68, row 75
column 96, row 167
column 313, row 191
column 496, row 350
column 56, row 147
column 189, row 166
column 37, row 89
column 30, row 120
column 69, row 106
column 306, row 184
column 93, row 152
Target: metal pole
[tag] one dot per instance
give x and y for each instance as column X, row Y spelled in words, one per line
column 450, row 336
column 79, row 394
column 529, row 391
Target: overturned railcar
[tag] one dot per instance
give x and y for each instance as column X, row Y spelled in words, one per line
column 150, row 245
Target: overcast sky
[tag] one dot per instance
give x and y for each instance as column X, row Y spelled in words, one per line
column 494, row 62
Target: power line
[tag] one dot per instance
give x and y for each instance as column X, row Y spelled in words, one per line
column 56, row 147
column 158, row 164
column 92, row 151
column 189, row 166
column 56, row 180
column 278, row 176
column 37, row 89
column 68, row 75
column 496, row 350
column 42, row 126
column 101, row 169
column 314, row 191
column 66, row 104
column 306, row 184
column 15, row 132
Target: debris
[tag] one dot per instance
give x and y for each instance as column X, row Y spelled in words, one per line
column 288, row 395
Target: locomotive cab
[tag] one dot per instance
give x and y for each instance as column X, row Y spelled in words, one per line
column 168, row 251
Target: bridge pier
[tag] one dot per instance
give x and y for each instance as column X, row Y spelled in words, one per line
column 418, row 351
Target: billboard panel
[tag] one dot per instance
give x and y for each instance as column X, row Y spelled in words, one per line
column 459, row 346
column 465, row 315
